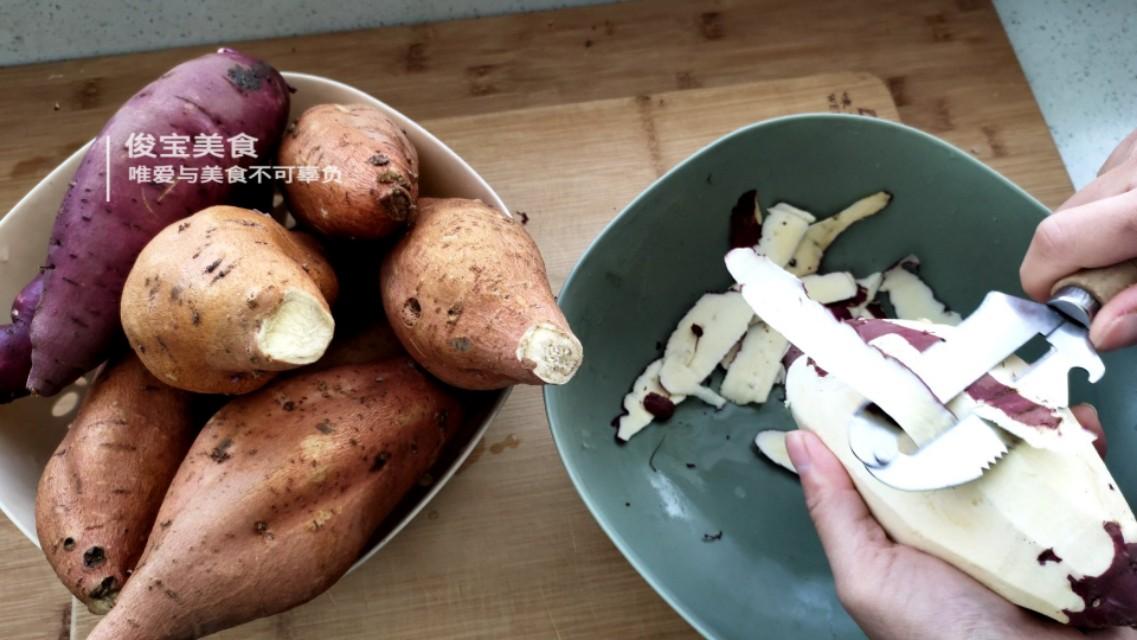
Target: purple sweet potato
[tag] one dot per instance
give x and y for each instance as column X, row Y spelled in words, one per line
column 16, row 342
column 95, row 239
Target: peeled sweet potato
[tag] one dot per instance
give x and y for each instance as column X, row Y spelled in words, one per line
column 378, row 166
column 218, row 302
column 96, row 237
column 279, row 495
column 1046, row 527
column 467, row 294
column 99, row 494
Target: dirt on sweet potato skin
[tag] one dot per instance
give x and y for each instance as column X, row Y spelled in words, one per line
column 100, row 492
column 302, row 471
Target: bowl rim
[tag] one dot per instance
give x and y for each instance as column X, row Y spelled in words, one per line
column 589, row 498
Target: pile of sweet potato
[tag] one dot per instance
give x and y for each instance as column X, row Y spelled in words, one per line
column 236, row 459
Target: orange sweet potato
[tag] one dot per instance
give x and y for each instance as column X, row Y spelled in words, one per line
column 371, row 343
column 220, row 301
column 279, row 495
column 378, row 167
column 100, row 492
column 467, row 294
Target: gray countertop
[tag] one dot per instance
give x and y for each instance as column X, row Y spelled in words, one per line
column 1079, row 59
column 1077, row 54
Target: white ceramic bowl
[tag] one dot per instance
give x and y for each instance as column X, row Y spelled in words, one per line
column 31, row 428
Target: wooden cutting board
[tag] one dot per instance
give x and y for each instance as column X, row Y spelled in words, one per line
column 507, row 549
column 947, row 63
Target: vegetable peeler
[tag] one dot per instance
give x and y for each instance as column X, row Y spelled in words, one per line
column 967, row 446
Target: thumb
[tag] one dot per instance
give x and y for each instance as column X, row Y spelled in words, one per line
column 1115, row 325
column 849, row 533
column 1125, row 150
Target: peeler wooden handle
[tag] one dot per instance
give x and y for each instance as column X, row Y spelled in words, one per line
column 1081, row 295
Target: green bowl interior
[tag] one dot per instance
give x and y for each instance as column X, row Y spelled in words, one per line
column 661, row 496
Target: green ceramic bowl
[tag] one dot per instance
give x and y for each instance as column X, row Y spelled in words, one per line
column 665, row 496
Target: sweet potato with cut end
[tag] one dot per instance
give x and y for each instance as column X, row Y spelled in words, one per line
column 96, row 238
column 99, row 494
column 218, row 302
column 378, row 168
column 466, row 292
column 301, row 473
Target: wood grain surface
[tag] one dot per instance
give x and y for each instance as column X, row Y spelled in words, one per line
column 569, row 114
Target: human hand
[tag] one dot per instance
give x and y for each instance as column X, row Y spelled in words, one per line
column 895, row 592
column 1096, row 227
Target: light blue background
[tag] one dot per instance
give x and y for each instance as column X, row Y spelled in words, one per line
column 1080, row 56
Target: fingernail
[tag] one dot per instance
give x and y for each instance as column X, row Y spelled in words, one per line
column 798, row 448
column 1091, row 408
column 1118, row 332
